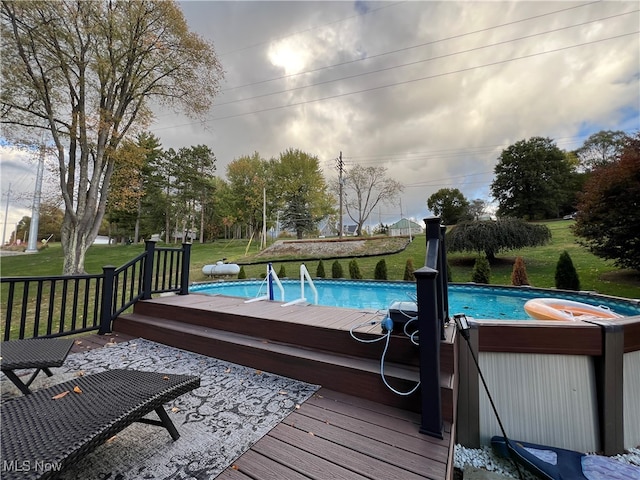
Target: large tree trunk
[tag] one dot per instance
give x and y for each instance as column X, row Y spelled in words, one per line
column 75, row 243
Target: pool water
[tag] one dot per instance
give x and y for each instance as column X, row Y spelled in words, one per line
column 477, row 301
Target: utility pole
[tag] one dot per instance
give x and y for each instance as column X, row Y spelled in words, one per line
column 340, row 181
column 32, row 246
column 6, row 213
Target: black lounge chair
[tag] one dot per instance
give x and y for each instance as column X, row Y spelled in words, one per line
column 34, row 353
column 41, row 435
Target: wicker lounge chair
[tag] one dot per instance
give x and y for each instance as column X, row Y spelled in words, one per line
column 35, row 353
column 41, row 435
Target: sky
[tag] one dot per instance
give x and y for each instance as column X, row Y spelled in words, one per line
column 431, row 91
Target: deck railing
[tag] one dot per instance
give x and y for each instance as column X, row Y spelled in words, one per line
column 70, row 304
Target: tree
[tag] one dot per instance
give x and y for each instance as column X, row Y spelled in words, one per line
column 531, row 179
column 365, row 188
column 408, row 271
column 354, row 270
column 449, row 204
column 477, row 208
column 519, row 273
column 380, row 272
column 481, row 272
column 86, row 72
column 336, row 270
column 609, row 209
column 302, row 194
column 601, row 148
column 194, row 172
column 566, row 276
column 125, row 189
column 493, row 236
column 248, row 177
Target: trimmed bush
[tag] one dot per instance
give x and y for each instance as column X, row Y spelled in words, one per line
column 282, row 273
column 354, row 270
column 320, row 270
column 481, row 270
column 408, row 271
column 519, row 273
column 566, row 275
column 336, row 270
column 242, row 274
column 380, row 272
column 449, row 273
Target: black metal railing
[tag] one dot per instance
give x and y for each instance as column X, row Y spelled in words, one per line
column 64, row 305
column 433, row 310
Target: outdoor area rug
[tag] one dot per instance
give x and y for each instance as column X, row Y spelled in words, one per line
column 234, row 407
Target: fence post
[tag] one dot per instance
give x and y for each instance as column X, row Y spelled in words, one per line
column 184, row 276
column 468, row 421
column 108, row 274
column 147, row 276
column 429, row 331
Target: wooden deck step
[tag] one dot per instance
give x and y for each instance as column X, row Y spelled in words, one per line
column 308, row 342
column 343, row 372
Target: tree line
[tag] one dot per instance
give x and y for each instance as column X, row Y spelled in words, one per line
column 598, row 185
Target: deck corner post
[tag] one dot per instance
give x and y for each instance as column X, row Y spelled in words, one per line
column 609, row 372
column 147, row 276
column 468, row 406
column 184, row 275
column 429, row 331
column 108, row 275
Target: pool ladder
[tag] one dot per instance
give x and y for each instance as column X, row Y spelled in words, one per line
column 272, row 278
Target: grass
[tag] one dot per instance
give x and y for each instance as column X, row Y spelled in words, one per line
column 595, row 274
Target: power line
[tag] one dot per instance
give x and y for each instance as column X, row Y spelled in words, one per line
column 439, row 57
column 433, row 42
column 405, row 82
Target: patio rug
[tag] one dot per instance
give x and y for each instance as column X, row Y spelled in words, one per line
column 234, row 407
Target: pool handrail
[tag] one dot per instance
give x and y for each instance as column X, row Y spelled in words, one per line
column 270, row 278
column 304, row 275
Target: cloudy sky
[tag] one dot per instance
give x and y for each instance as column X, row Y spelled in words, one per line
column 432, row 91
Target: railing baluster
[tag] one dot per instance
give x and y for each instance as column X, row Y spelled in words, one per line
column 25, row 306
column 9, row 311
column 36, row 316
column 85, row 309
column 52, row 299
column 63, row 305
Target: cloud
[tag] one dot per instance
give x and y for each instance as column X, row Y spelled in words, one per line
column 433, row 91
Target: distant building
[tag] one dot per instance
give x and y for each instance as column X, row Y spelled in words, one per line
column 404, row 226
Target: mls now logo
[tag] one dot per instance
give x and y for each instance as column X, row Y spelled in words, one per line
column 30, row 466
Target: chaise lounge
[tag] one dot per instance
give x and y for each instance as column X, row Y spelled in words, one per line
column 48, row 430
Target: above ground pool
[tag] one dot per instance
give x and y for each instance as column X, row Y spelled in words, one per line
column 476, row 301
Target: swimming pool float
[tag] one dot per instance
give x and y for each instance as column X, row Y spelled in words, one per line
column 566, row 310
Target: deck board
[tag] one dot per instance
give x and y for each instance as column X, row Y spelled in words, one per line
column 330, row 436
column 334, row 435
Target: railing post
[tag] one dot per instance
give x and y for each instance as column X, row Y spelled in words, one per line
column 147, row 276
column 184, row 276
column 429, row 331
column 108, row 273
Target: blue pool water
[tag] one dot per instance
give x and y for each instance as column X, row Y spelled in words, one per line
column 477, row 301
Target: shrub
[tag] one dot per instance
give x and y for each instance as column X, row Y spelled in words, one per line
column 481, row 270
column 408, row 270
column 336, row 270
column 242, row 274
column 519, row 273
column 320, row 270
column 449, row 273
column 566, row 275
column 354, row 270
column 282, row 273
column 380, row 272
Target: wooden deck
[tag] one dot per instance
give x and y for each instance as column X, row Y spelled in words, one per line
column 335, row 436
column 339, row 433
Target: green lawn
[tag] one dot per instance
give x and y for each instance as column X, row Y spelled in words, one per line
column 595, row 273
